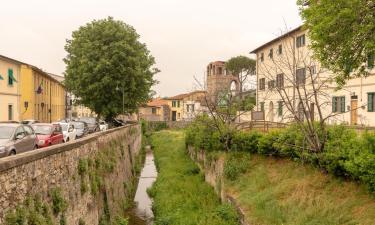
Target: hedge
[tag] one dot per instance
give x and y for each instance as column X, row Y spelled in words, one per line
column 346, row 153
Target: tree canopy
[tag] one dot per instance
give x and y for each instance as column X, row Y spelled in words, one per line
column 241, row 64
column 106, row 60
column 342, row 35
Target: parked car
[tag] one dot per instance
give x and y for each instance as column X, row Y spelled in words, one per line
column 29, row 122
column 91, row 123
column 81, row 128
column 69, row 132
column 16, row 138
column 103, row 126
column 48, row 134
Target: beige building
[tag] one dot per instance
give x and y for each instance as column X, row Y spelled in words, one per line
column 193, row 104
column 9, row 89
column 286, row 62
column 155, row 110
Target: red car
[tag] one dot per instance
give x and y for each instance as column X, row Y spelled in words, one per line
column 48, row 134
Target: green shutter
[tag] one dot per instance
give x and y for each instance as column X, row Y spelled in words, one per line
column 280, row 108
column 334, row 104
column 1, row 78
column 342, row 104
column 370, row 61
column 370, row 102
column 11, row 78
column 262, row 106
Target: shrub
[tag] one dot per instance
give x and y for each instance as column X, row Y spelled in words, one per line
column 59, row 204
column 246, row 141
column 236, row 164
column 266, row 143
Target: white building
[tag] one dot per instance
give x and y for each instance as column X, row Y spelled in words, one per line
column 285, row 64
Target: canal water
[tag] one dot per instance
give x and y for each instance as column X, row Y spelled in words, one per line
column 142, row 214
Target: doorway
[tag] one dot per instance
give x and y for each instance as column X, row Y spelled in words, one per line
column 174, row 115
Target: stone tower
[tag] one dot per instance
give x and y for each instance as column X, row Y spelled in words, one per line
column 220, row 80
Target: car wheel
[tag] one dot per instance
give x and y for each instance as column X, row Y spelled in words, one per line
column 67, row 140
column 13, row 152
column 35, row 147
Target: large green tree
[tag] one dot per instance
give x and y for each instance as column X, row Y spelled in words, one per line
column 342, row 34
column 107, row 68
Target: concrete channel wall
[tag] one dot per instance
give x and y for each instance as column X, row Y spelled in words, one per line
column 214, row 175
column 74, row 169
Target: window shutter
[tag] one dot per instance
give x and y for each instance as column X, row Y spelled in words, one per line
column 370, row 102
column 343, row 104
column 334, row 104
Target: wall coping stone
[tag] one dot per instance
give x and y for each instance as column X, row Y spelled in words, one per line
column 34, row 155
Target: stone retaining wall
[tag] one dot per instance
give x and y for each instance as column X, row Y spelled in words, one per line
column 102, row 160
column 214, row 175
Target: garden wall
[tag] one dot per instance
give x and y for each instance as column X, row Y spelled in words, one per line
column 80, row 182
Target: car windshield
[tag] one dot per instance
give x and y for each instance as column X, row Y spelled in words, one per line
column 6, row 132
column 42, row 129
column 78, row 125
column 88, row 120
column 64, row 127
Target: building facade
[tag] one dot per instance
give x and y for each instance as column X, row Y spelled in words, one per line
column 155, row 110
column 9, row 89
column 27, row 92
column 193, row 104
column 286, row 64
column 42, row 96
column 220, row 80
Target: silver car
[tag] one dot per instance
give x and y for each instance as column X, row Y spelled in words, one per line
column 16, row 138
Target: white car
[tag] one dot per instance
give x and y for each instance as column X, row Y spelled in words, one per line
column 103, row 126
column 69, row 132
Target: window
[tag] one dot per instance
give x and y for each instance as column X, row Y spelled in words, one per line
column 190, row 107
column 178, row 104
column 10, row 112
column 338, row 104
column 174, row 103
column 370, row 61
column 262, row 84
column 28, row 130
column 11, row 78
column 301, row 76
column 262, row 106
column 153, row 111
column 280, row 50
column 371, row 102
column 262, row 57
column 280, row 108
column 271, row 84
column 271, row 53
column 300, row 42
column 220, row 71
column 280, row 80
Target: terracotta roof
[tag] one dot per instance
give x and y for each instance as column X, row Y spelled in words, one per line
column 276, row 39
column 157, row 102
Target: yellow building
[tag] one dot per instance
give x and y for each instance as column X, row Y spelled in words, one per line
column 9, row 89
column 42, row 96
column 176, row 105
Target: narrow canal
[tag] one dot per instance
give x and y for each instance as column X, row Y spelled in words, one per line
column 142, row 214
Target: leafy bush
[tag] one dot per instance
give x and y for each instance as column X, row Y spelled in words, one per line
column 266, row 143
column 245, row 141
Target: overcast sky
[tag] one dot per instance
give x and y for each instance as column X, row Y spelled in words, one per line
column 183, row 35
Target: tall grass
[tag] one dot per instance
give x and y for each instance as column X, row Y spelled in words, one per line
column 181, row 196
column 282, row 192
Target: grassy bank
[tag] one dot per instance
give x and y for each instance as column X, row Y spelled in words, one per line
column 280, row 191
column 181, row 197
